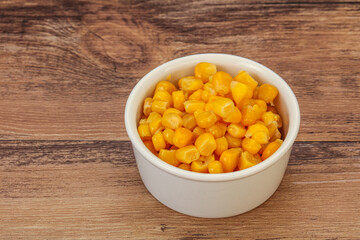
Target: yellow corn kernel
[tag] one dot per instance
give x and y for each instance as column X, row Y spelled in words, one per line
column 257, row 127
column 144, row 132
column 236, row 130
column 268, row 118
column 150, row 146
column 147, row 106
column 152, row 116
column 163, row 95
column 187, row 154
column 143, row 121
column 221, row 145
column 190, row 83
column 210, row 88
column 192, row 105
column 204, row 70
column 172, row 120
column 229, row 159
column 246, row 79
column 197, row 112
column 258, row 158
column 217, row 130
column 182, row 137
column 262, row 105
column 261, row 137
column 221, row 82
column 277, row 135
column 166, row 86
column 206, row 144
column 159, row 106
column 158, row 141
column 201, row 165
column 239, row 91
column 197, row 131
column 256, row 93
column 272, row 129
column 169, row 157
column 189, row 121
column 173, row 110
column 221, row 106
column 154, row 125
column 232, row 141
column 247, row 160
column 215, row 167
column 267, row 93
column 250, row 145
column 206, row 119
column 196, row 95
column 178, row 99
column 278, row 120
column 168, row 135
column 234, row 117
column 205, row 96
column 250, row 114
column 184, row 166
column 271, row 148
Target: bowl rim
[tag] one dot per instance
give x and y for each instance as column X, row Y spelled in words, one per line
column 131, row 127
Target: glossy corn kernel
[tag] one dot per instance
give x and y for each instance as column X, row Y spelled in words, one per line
column 206, row 144
column 204, row 70
column 217, row 130
column 250, row 145
column 271, row 148
column 182, row 137
column 192, row 105
column 256, row 93
column 267, row 93
column 197, row 131
column 169, row 157
column 239, row 91
column 159, row 106
column 215, row 167
column 221, row 145
column 234, row 117
column 173, row 110
column 197, row 95
column 168, row 135
column 143, row 121
column 158, row 141
column 205, row 119
column 250, row 114
column 187, row 154
column 262, row 105
column 246, row 79
column 210, row 88
column 272, row 129
column 257, row 127
column 171, row 120
column 221, row 82
column 185, row 166
column 163, row 95
column 205, row 96
column 277, row 135
column 155, row 125
column 147, row 106
column 230, row 159
column 190, row 83
column 178, row 99
column 268, row 118
column 201, row 165
column 221, row 106
column 197, row 112
column 236, row 130
column 232, row 141
column 166, row 86
column 261, row 137
column 150, row 146
column 247, row 160
column 189, row 121
column 144, row 132
column 152, row 116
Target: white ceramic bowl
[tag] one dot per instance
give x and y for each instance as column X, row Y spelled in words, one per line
column 212, row 195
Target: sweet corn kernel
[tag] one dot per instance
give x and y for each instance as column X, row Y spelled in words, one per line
column 210, row 88
column 221, row 82
column 197, row 112
column 239, row 91
column 196, row 95
column 271, row 148
column 256, row 93
column 187, row 154
column 234, row 117
column 204, row 70
column 250, row 145
column 205, row 119
column 144, row 132
column 166, row 86
column 205, row 96
column 206, row 144
column 190, row 83
column 229, row 159
column 163, row 95
column 158, row 141
column 201, row 165
column 171, row 120
column 246, row 79
column 250, row 114
column 267, row 93
column 192, row 105
column 150, row 146
column 277, row 135
column 189, row 121
column 257, row 127
column 152, row 116
column 147, row 106
column 261, row 137
column 221, row 106
column 182, row 137
column 173, row 110
column 168, row 135
column 143, row 121
column 154, row 125
column 262, row 105
column 272, row 129
column 217, row 130
column 221, row 145
column 236, row 130
column 159, row 106
column 247, row 160
column 215, row 167
column 178, row 99
column 184, row 166
column 169, row 157
column 232, row 141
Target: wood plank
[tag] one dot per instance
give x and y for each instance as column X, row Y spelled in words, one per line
column 66, row 68
column 78, row 189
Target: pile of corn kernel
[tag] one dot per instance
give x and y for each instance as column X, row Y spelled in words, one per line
column 213, row 123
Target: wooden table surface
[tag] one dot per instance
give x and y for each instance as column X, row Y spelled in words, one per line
column 67, row 170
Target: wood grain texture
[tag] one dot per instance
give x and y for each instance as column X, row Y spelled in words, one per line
column 92, row 189
column 67, row 67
